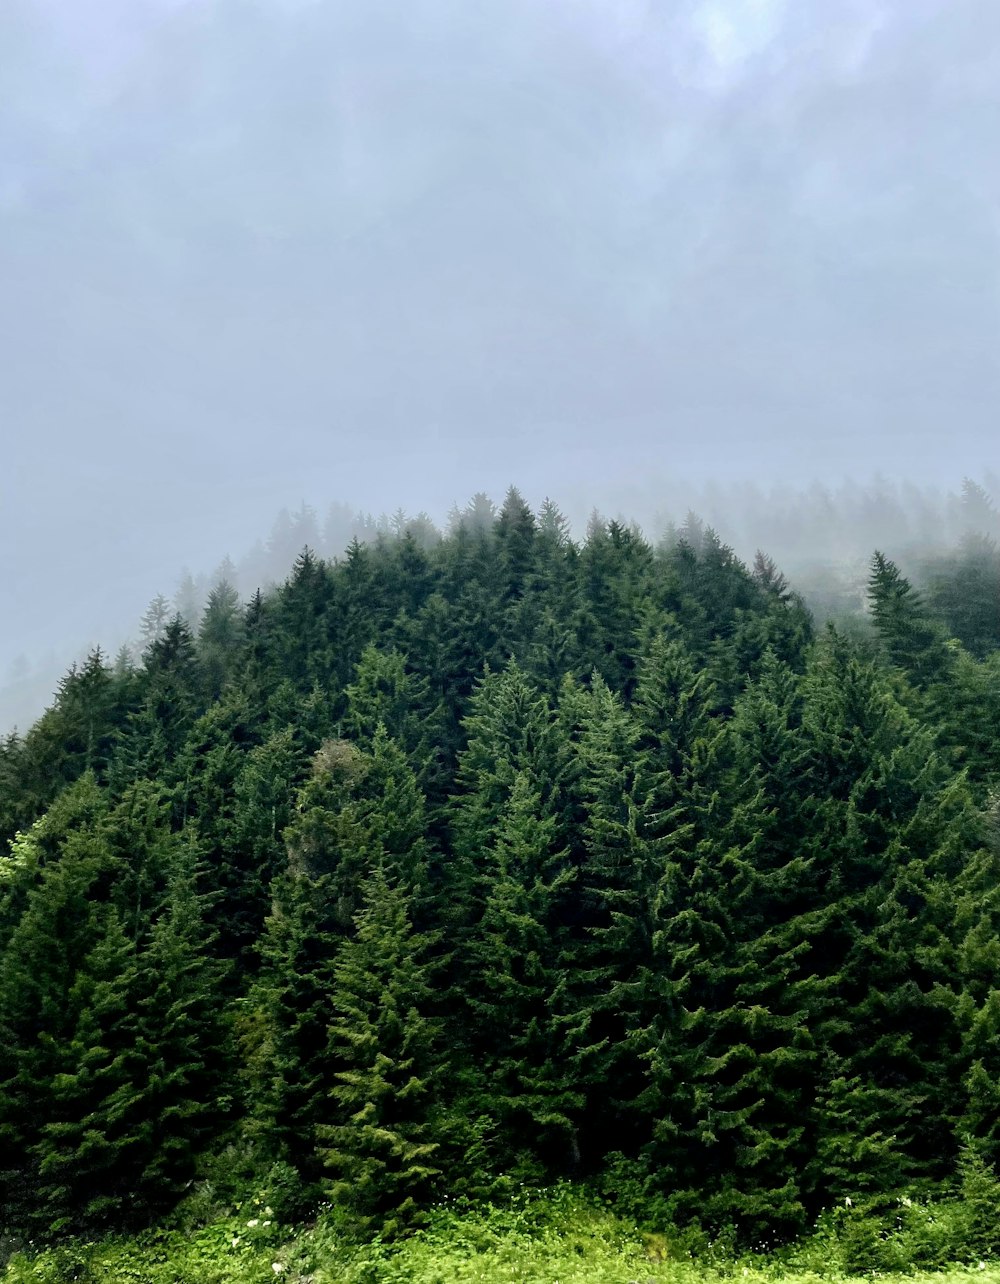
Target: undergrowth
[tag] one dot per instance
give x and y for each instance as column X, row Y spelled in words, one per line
column 567, row 1235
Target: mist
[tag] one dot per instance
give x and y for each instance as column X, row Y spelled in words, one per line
column 256, row 255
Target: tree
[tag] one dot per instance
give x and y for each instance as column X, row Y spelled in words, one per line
column 386, row 692
column 745, row 1038
column 384, row 1124
column 168, row 701
column 220, row 637
column 356, row 812
column 113, row 1065
column 610, row 928
column 514, row 961
column 891, row 826
column 909, row 636
column 154, row 621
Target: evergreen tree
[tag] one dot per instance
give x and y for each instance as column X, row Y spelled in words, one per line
column 105, row 1112
column 514, row 964
column 499, row 856
column 610, row 923
column 220, row 637
column 891, row 822
column 906, row 630
column 747, row 1004
column 154, row 622
column 385, row 1124
column 386, row 692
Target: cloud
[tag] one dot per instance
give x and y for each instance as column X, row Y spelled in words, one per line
column 259, row 249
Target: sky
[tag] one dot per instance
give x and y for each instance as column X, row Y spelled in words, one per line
column 392, row 252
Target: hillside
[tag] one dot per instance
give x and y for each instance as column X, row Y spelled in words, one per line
column 491, row 860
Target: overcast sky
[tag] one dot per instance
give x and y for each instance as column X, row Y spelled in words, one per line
column 254, row 252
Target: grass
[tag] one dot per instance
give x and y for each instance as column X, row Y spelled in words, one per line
column 559, row 1237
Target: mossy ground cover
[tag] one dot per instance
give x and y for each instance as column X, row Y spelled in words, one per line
column 562, row 1237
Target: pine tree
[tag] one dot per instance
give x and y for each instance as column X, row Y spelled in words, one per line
column 611, row 941
column 515, row 533
column 56, row 889
column 282, row 1026
column 890, row 825
column 386, row 692
column 384, row 1124
column 910, row 638
column 509, row 729
column 154, row 622
column 220, row 637
column 514, row 962
column 168, row 703
column 753, row 1049
column 88, row 999
column 355, row 813
column 85, row 1150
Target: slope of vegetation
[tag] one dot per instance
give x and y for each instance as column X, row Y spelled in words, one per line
column 563, row 1236
column 472, row 864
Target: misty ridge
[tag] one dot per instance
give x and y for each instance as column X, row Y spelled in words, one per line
column 821, row 538
column 261, row 250
column 500, row 686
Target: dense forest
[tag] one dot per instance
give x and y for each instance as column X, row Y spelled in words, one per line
column 822, row 537
column 493, row 857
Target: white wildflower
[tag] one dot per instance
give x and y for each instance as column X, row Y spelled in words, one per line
column 278, row 1268
column 906, row 1201
column 981, row 1266
column 235, row 1240
column 269, row 1211
column 254, row 1221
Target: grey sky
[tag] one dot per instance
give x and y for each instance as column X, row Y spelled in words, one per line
column 259, row 251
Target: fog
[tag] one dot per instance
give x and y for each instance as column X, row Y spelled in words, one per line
column 261, row 253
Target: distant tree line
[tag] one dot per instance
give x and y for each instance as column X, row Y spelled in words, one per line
column 492, row 857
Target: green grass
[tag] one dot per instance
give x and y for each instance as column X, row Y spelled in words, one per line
column 561, row 1237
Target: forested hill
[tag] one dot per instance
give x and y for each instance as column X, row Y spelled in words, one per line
column 495, row 858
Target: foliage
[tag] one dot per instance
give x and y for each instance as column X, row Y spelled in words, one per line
column 469, row 860
column 564, row 1236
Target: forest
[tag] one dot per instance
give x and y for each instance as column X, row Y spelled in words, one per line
column 490, row 859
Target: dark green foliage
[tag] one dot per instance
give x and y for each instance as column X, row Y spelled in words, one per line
column 383, row 1126
column 113, row 1067
column 910, row 636
column 513, row 963
column 220, row 637
column 491, row 857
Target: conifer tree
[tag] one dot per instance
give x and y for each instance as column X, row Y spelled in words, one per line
column 282, row 1027
column 384, row 1122
column 105, row 1111
column 748, row 1003
column 911, row 640
column 386, row 692
column 515, row 533
column 154, row 622
column 611, row 940
column 299, row 626
column 86, row 1145
column 355, row 813
column 220, row 637
column 509, row 729
column 58, row 869
column 168, row 703
column 514, row 963
column 890, row 823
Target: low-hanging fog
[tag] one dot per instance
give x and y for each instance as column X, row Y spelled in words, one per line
column 261, row 253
